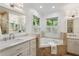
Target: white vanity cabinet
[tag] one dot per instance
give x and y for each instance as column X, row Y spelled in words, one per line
column 9, row 51
column 27, row 48
column 33, row 47
column 14, row 50
column 73, row 46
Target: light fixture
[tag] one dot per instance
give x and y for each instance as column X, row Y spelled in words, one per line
column 41, row 6
column 53, row 6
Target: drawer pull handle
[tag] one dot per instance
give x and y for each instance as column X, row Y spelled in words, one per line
column 19, row 54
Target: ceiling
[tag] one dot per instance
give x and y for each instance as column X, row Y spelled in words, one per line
column 46, row 7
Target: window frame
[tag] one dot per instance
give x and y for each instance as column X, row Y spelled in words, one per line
column 52, row 28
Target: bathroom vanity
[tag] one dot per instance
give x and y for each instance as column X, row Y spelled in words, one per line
column 12, row 21
column 73, row 43
column 23, row 46
column 12, row 18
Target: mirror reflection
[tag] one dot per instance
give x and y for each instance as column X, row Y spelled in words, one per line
column 11, row 23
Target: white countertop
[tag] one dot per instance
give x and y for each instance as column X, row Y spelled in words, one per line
column 13, row 42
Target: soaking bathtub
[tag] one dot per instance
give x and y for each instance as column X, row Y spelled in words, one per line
column 46, row 42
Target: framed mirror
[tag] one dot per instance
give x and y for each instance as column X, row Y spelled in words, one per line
column 16, row 23
column 70, row 26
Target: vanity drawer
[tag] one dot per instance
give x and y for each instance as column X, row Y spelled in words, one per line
column 23, row 53
column 20, row 47
column 8, row 51
column 26, row 52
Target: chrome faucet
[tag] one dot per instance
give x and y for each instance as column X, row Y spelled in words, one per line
column 11, row 36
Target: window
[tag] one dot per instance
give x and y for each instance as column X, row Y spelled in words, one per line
column 52, row 24
column 36, row 24
column 35, row 20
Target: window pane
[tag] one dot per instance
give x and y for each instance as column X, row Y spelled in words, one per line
column 49, row 22
column 52, row 24
column 35, row 20
column 52, row 21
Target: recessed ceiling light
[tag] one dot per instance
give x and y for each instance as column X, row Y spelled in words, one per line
column 41, row 6
column 53, row 6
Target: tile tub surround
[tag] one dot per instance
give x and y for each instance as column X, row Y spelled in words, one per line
column 57, row 45
column 51, row 35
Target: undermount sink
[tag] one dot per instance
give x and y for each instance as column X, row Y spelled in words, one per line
column 18, row 39
column 13, row 42
column 10, row 41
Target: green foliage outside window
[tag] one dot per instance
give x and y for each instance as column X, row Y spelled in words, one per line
column 52, row 21
column 35, row 20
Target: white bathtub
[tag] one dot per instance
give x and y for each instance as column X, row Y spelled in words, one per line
column 50, row 41
column 45, row 42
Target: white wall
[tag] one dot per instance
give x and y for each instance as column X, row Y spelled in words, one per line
column 69, row 10
column 63, row 15
column 29, row 16
column 76, row 25
column 61, row 21
column 30, row 13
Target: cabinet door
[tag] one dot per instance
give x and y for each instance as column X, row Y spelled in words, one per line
column 25, row 50
column 33, row 47
column 33, row 51
column 33, row 43
column 24, row 53
column 16, row 50
column 9, row 51
column 76, row 25
column 73, row 46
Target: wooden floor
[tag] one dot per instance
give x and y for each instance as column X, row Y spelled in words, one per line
column 68, row 55
column 64, row 55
